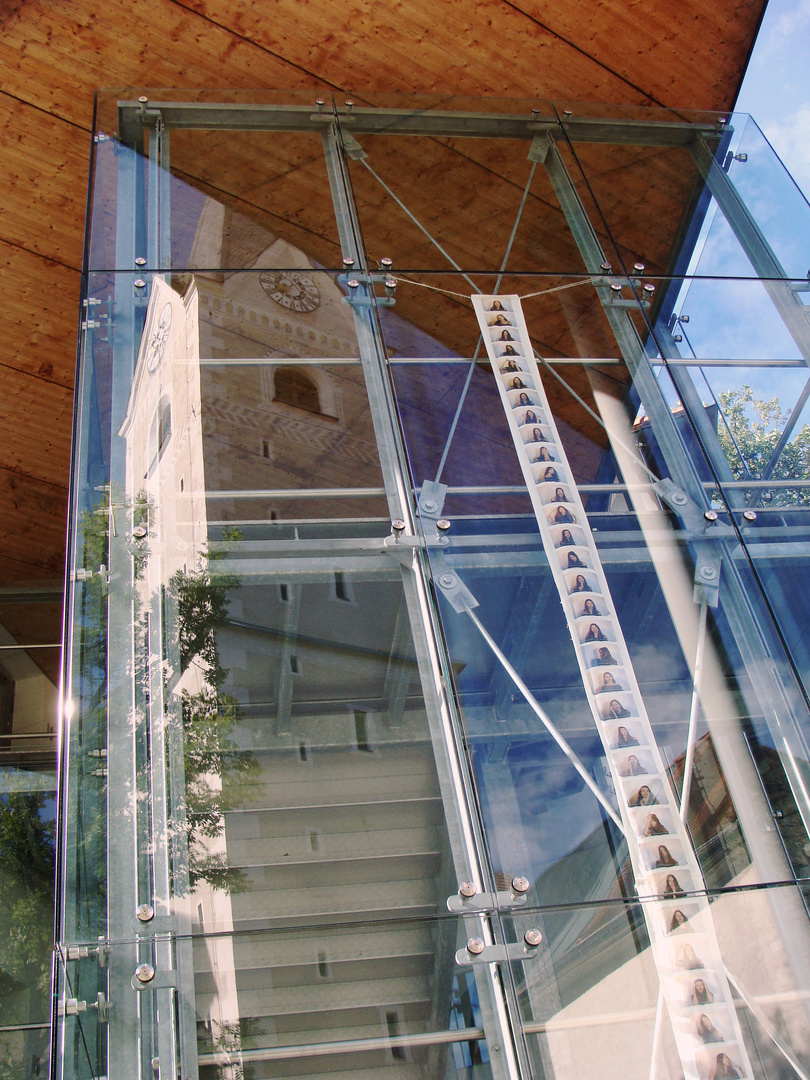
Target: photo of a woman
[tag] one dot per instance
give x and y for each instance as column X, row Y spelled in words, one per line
column 632, row 767
column 506, row 336
column 724, row 1069
column 524, row 399
column 678, row 921
column 617, row 711
column 518, row 384
column 624, row 738
column 595, row 634
column 538, row 436
column 605, row 657
column 590, row 608
column 574, row 562
column 510, row 350
column 566, row 539
column 497, row 306
column 701, row 994
column 674, row 891
column 643, row 797
column 707, row 1031
column 580, row 582
column 499, row 320
column 688, row 959
column 562, row 516
column 530, row 417
column 544, row 454
column 664, row 858
column 559, row 493
column 653, row 826
column 510, row 365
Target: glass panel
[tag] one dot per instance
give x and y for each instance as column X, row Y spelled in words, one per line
column 329, row 1000
column 591, row 995
column 433, row 203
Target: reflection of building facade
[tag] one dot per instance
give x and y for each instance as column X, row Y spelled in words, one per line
column 342, row 840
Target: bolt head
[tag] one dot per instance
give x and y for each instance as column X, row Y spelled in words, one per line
column 750, row 515
column 319, row 101
column 140, row 283
column 139, row 533
column 447, row 580
column 349, row 104
column 145, row 913
column 428, row 505
column 475, row 946
column 649, row 289
column 521, row 885
column 605, row 267
column 386, row 262
column 443, row 524
column 615, row 288
column 533, row 938
column 143, row 99
column 348, row 261
column 390, row 283
column 638, row 267
column 353, row 283
column 140, row 261
column 708, row 572
column 680, row 499
column 144, row 973
column 683, row 318
column 710, row 515
column 466, row 890
column 398, row 525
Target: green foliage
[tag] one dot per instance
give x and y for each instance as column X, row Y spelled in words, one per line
column 27, row 864
column 756, row 426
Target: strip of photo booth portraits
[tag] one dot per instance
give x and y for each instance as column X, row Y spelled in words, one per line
column 666, row 869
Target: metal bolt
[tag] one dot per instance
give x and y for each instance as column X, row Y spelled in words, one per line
column 532, row 938
column 475, row 946
column 348, row 262
column 568, row 113
column 710, row 515
column 616, row 291
column 708, row 572
column 750, row 515
column 447, row 580
column 145, row 913
column 638, row 267
column 428, row 505
column 390, row 286
column 139, row 533
column 140, row 261
column 721, row 120
column 741, row 157
column 386, row 263
column 397, row 526
column 144, row 973
column 649, row 290
column 442, row 524
column 353, row 283
column 349, row 105
column 520, row 885
column 605, row 267
column 319, row 104
column 679, row 498
column 466, row 890
column 677, row 338
column 140, row 283
column 683, row 318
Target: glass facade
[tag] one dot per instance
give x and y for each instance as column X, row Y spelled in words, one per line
column 436, row 686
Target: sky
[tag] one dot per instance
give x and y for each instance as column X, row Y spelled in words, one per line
column 776, row 87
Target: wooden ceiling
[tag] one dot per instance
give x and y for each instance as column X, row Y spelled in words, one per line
column 687, row 54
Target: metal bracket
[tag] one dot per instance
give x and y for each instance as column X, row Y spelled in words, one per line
column 454, row 590
column 541, row 144
column 476, row 952
column 73, row 1007
column 157, row 924
column 82, row 952
column 147, row 978
column 352, row 146
column 431, row 499
column 707, row 577
column 467, row 900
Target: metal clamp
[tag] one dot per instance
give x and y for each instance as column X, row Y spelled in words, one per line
column 146, row 922
column 477, row 951
column 468, row 899
column 146, row 977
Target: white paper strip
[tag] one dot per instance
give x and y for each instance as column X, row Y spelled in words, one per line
column 668, row 879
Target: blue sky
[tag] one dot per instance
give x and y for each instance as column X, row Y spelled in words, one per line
column 776, row 88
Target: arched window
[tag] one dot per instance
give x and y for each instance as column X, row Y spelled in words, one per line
column 293, row 387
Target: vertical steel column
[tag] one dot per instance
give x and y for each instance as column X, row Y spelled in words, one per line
column 124, row 1046
column 455, row 787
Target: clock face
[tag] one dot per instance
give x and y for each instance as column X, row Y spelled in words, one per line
column 292, row 290
column 159, row 338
